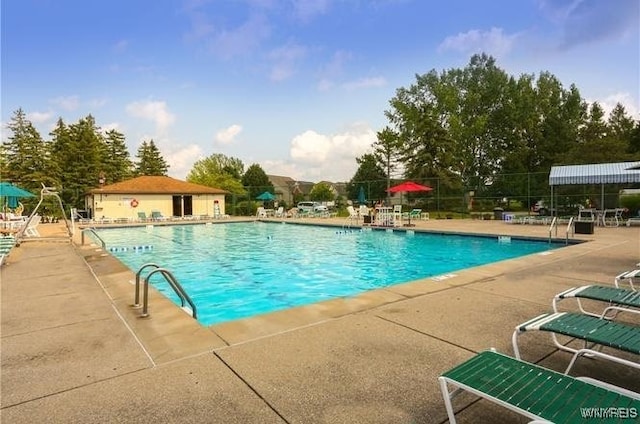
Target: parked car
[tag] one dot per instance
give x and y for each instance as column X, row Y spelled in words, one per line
column 312, row 207
column 563, row 210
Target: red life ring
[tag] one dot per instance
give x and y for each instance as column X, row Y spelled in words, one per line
column 134, row 203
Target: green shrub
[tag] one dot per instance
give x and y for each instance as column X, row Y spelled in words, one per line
column 631, row 202
column 245, row 208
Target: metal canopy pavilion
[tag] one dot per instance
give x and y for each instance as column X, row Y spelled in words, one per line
column 599, row 173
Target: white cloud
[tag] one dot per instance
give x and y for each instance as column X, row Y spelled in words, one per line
column 333, row 69
column 631, row 105
column 310, row 147
column 325, row 85
column 284, row 60
column 365, row 83
column 590, row 21
column 494, row 42
column 39, row 117
column 155, row 111
column 67, row 102
column 97, row 103
column 181, row 160
column 111, row 126
column 242, row 39
column 316, row 157
column 307, row 9
column 228, row 135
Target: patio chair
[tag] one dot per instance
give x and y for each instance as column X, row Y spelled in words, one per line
column 532, row 391
column 353, row 214
column 618, row 299
column 6, row 244
column 142, row 217
column 591, row 330
column 261, row 212
column 397, row 215
column 157, row 216
column 279, row 213
column 415, row 214
column 32, row 226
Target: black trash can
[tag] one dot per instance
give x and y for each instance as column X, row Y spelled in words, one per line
column 367, row 219
column 583, row 227
column 497, row 213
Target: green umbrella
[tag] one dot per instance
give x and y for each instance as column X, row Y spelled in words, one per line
column 11, row 193
column 266, row 196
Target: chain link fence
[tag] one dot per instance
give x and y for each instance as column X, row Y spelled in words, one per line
column 524, row 193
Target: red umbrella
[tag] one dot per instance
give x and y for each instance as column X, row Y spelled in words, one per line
column 406, row 187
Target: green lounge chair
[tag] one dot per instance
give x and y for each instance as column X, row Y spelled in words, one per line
column 619, row 299
column 157, row 216
column 591, row 330
column 535, row 392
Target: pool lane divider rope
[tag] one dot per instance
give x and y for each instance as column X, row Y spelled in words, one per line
column 132, row 248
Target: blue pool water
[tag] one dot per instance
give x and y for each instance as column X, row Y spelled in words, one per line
column 237, row 270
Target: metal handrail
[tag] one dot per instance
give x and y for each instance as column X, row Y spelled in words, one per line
column 175, row 285
column 569, row 228
column 554, row 224
column 136, row 301
column 93, row 231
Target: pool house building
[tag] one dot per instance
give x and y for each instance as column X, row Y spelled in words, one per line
column 159, row 196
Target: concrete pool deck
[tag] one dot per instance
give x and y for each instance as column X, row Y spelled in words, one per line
column 74, row 350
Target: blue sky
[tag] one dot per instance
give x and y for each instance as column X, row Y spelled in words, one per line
column 297, row 86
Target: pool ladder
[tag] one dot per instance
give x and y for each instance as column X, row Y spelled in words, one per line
column 95, row 234
column 554, row 225
column 171, row 279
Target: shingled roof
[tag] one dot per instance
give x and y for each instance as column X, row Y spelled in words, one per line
column 156, row 185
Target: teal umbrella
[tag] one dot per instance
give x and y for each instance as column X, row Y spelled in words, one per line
column 361, row 197
column 11, row 193
column 266, row 196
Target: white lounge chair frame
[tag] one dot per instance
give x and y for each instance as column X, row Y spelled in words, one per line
column 618, row 299
column 628, row 277
column 539, row 322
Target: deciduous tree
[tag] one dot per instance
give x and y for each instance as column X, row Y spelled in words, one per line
column 219, row 171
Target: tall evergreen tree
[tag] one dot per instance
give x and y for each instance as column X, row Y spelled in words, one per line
column 620, row 125
column 634, row 140
column 26, row 155
column 60, row 144
column 79, row 158
column 117, row 164
column 150, row 160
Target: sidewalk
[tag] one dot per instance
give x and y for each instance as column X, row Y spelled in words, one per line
column 74, row 350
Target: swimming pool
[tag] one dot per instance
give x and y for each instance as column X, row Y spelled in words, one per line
column 238, row 270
